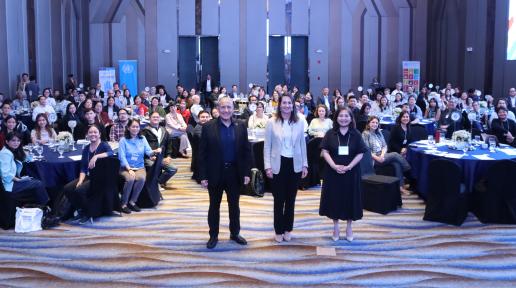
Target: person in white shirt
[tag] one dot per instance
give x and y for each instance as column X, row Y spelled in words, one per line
column 196, row 108
column 399, row 89
column 320, row 124
column 50, row 100
column 501, row 103
column 258, row 119
column 42, row 108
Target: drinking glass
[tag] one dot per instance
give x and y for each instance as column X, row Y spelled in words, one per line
column 477, row 139
column 60, row 150
column 492, row 144
column 431, row 140
column 465, row 148
column 39, row 149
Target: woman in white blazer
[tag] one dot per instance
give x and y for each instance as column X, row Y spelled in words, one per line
column 285, row 163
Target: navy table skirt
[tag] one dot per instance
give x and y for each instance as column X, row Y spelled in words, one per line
column 55, row 172
column 472, row 168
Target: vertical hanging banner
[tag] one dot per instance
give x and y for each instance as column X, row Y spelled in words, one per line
column 411, row 75
column 107, row 77
column 128, row 70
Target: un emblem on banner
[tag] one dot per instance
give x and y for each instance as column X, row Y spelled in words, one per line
column 127, row 69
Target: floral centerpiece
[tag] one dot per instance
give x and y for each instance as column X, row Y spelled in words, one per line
column 461, row 138
column 66, row 138
column 396, row 112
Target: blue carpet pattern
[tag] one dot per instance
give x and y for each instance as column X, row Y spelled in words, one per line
column 166, row 247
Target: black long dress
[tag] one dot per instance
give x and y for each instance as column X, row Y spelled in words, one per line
column 341, row 193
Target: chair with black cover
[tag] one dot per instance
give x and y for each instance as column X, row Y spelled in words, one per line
column 494, row 198
column 417, row 132
column 313, row 178
column 380, row 193
column 103, row 197
column 7, row 209
column 446, row 201
column 386, row 135
column 150, row 195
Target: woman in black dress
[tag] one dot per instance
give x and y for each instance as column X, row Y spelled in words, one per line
column 342, row 148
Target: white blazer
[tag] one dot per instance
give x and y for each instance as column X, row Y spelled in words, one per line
column 274, row 142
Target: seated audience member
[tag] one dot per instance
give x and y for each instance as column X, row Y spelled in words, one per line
column 110, row 111
column 383, row 109
column 433, row 112
column 163, row 96
column 503, row 127
column 71, row 115
column 156, row 107
column 25, row 189
column 476, row 126
column 321, row 123
column 373, row 138
column 61, row 102
column 157, row 137
column 352, row 105
column 117, row 132
column 363, row 114
column 6, row 111
column 398, row 100
column 415, row 112
column 258, row 119
column 400, row 134
column 77, row 190
column 215, row 113
column 9, row 125
column 42, row 108
column 20, row 102
column 176, row 127
column 138, row 108
column 131, row 151
column 502, row 103
column 97, row 108
column 247, row 111
column 90, row 118
column 204, row 116
column 84, row 106
column 195, row 108
column 446, row 122
column 120, row 99
column 181, row 109
column 42, row 133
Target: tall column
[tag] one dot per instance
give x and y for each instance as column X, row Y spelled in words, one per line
column 14, row 51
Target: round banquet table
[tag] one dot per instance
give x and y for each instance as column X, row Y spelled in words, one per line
column 53, row 171
column 388, row 123
column 474, row 164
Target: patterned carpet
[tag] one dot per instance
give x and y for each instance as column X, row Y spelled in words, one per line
column 166, row 247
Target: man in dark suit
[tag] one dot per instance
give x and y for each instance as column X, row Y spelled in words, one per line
column 511, row 100
column 225, row 165
column 326, row 99
column 157, row 137
column 206, row 88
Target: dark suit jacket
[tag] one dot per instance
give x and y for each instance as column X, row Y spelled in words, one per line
column 211, row 162
column 509, row 104
column 331, row 99
column 499, row 129
column 203, row 85
column 152, row 139
column 397, row 138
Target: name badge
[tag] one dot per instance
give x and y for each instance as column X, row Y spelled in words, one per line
column 343, row 150
column 134, row 158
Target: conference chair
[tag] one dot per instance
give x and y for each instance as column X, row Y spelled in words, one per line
column 380, row 193
column 313, row 178
column 494, row 198
column 103, row 197
column 446, row 201
column 150, row 195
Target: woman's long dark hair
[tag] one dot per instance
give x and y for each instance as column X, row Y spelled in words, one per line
column 4, row 124
column 18, row 153
column 398, row 120
column 68, row 108
column 293, row 115
column 127, row 134
column 336, row 125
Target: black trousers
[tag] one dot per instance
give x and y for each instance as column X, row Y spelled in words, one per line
column 77, row 195
column 231, row 186
column 284, row 191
